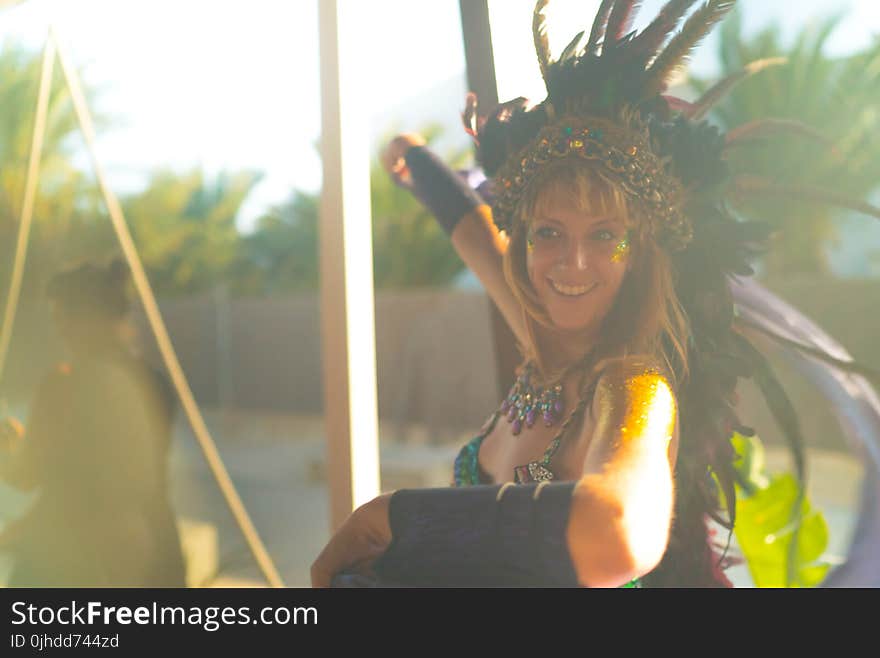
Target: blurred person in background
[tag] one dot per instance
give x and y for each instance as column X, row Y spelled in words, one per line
column 95, row 446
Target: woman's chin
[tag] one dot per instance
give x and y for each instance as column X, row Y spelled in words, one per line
column 571, row 325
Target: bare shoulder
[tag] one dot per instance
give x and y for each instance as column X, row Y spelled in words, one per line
column 633, row 395
column 626, row 372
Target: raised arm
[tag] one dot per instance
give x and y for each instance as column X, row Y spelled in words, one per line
column 462, row 213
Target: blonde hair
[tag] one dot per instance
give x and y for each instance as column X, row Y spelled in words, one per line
column 646, row 322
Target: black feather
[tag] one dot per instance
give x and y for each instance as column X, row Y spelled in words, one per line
column 777, row 399
column 622, row 16
column 783, row 411
column 652, row 38
column 571, row 48
column 597, row 34
column 673, row 56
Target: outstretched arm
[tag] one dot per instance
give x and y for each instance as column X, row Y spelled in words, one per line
column 604, row 530
column 624, row 513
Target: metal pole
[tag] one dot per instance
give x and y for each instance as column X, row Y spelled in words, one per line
column 30, row 193
column 346, row 257
column 480, row 62
column 478, row 54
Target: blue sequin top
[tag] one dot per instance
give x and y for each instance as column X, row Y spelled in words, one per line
column 467, row 463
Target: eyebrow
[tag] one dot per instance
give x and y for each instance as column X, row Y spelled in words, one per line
column 596, row 221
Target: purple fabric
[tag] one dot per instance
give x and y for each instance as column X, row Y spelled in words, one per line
column 463, row 537
column 854, row 402
column 447, row 194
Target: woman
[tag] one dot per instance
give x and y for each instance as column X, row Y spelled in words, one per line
column 612, row 269
column 96, row 449
column 596, row 307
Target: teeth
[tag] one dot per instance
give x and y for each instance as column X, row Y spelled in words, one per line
column 569, row 290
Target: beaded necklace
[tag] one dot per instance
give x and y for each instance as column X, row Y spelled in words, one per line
column 539, row 470
column 525, row 401
column 467, row 466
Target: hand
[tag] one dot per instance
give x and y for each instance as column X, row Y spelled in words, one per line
column 11, row 433
column 364, row 536
column 392, row 157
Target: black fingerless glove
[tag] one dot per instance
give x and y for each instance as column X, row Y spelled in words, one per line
column 464, row 537
column 446, row 194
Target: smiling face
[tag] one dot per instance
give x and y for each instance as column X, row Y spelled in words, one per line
column 578, row 254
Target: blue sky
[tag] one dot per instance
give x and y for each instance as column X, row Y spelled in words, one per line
column 232, row 84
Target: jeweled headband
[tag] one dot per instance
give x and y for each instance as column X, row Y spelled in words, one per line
column 624, row 151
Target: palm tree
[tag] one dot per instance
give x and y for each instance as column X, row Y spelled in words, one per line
column 184, row 227
column 281, row 254
column 409, row 248
column 839, row 98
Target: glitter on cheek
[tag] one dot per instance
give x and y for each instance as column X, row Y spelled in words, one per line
column 621, row 251
column 530, row 238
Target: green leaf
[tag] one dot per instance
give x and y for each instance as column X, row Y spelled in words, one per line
column 767, row 525
column 749, row 464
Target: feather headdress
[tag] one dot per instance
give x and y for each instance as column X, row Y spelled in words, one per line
column 606, row 102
